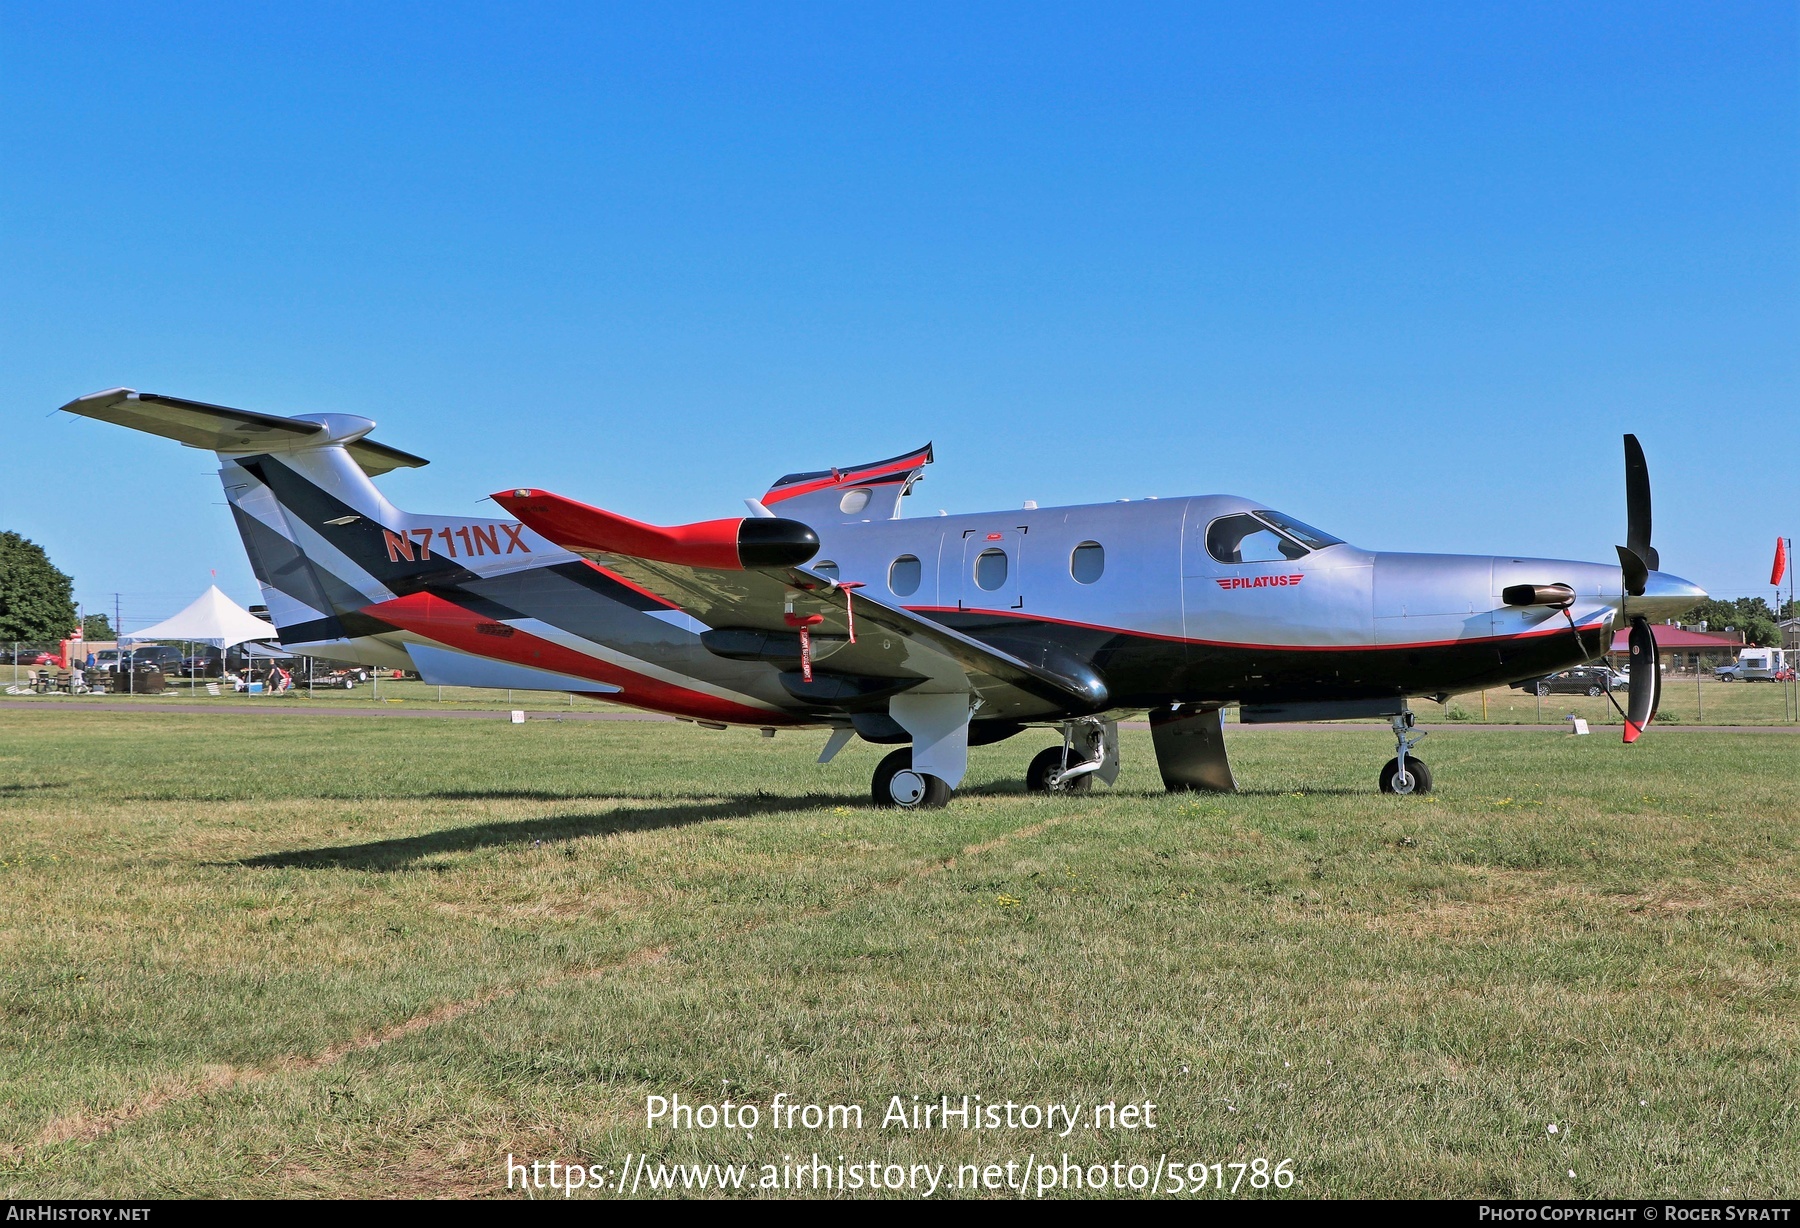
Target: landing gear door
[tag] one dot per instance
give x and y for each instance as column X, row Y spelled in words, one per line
column 992, row 560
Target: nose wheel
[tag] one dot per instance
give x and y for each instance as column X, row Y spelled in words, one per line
column 1404, row 774
column 896, row 784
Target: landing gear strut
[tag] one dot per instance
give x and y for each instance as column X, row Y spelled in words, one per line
column 1090, row 748
column 1403, row 773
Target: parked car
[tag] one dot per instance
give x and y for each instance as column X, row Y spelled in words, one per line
column 1581, row 680
column 201, row 665
column 164, row 657
column 28, row 656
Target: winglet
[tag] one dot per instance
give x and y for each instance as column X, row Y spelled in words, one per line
column 869, row 491
column 740, row 544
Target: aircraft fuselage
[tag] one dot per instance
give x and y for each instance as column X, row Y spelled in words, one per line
column 1164, row 621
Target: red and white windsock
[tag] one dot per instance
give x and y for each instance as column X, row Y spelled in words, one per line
column 1781, row 561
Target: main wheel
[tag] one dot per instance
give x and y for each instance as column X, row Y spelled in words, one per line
column 1542, row 688
column 1418, row 776
column 896, row 784
column 1593, row 692
column 1044, row 765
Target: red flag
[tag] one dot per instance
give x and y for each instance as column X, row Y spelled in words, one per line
column 1780, row 568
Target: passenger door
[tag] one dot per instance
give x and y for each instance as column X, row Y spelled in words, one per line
column 992, row 561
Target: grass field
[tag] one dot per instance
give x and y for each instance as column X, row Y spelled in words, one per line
column 314, row 956
column 1711, row 703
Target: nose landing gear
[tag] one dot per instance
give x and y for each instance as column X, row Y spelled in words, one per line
column 1403, row 773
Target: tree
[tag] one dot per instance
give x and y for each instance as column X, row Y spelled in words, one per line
column 1751, row 615
column 97, row 627
column 37, row 601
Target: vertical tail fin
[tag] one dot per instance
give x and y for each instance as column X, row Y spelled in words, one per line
column 323, row 542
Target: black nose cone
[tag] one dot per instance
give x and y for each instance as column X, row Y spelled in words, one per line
column 773, row 542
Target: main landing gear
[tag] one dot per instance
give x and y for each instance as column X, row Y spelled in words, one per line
column 1090, row 748
column 1089, row 752
column 1403, row 773
column 897, row 784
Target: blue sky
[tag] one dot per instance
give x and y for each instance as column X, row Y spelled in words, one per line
column 1406, row 272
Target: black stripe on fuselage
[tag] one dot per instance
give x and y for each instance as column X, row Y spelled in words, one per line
column 1144, row 671
column 361, row 540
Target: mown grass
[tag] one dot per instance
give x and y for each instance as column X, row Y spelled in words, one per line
column 1684, row 702
column 322, row 956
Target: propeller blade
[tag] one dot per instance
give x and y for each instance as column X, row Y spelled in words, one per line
column 1637, row 504
column 1637, row 573
column 1646, row 679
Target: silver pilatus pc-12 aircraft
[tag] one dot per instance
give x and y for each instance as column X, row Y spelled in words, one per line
column 825, row 608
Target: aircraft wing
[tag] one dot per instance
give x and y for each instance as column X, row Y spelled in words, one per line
column 743, row 578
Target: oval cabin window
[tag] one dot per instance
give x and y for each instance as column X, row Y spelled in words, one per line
column 1087, row 562
column 903, row 576
column 827, row 568
column 990, row 569
column 855, row 500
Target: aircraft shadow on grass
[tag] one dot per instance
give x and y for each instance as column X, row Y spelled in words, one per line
column 398, row 854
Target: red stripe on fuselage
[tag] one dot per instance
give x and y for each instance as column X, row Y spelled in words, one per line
column 1015, row 616
column 457, row 627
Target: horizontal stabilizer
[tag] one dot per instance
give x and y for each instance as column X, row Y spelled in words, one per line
column 219, row 428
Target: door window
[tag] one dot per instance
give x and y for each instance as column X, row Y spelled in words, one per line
column 990, row 569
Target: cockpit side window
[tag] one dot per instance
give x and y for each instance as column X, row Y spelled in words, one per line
column 1300, row 531
column 1245, row 539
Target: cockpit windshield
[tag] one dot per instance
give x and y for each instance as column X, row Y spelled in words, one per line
column 1304, row 533
column 1264, row 537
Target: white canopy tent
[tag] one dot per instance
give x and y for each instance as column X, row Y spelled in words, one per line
column 213, row 619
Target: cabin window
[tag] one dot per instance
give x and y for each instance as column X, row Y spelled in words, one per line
column 1087, row 562
column 903, row 576
column 855, row 500
column 990, row 569
column 827, row 568
column 1245, row 539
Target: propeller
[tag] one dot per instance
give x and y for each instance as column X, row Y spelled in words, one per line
column 1646, row 680
column 1637, row 556
column 1637, row 559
